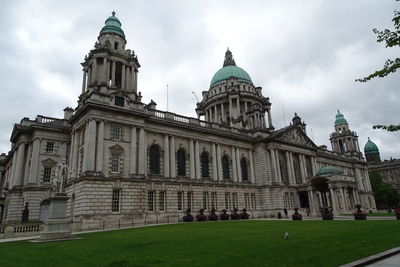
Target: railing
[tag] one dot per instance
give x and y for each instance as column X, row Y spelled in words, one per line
column 12, row 230
column 50, row 120
column 193, row 121
column 27, row 228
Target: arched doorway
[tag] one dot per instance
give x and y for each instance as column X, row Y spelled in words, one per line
column 44, row 210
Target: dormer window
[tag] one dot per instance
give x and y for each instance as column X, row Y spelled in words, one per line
column 116, row 45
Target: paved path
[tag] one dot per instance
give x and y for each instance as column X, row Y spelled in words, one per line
column 388, row 262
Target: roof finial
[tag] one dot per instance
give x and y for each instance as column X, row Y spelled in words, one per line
column 368, row 138
column 113, row 13
column 338, row 111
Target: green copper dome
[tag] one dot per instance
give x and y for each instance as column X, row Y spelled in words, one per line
column 370, row 148
column 113, row 25
column 340, row 119
column 230, row 71
column 328, row 170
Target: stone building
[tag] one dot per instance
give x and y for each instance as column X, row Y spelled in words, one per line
column 388, row 169
column 129, row 162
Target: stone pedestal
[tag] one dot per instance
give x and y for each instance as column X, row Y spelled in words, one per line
column 57, row 226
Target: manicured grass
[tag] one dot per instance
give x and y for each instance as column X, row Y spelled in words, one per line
column 376, row 214
column 232, row 243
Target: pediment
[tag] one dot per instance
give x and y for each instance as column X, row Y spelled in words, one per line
column 49, row 162
column 294, row 135
column 117, row 148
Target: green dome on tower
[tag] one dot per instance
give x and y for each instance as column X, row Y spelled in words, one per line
column 371, row 148
column 340, row 118
column 113, row 25
column 228, row 70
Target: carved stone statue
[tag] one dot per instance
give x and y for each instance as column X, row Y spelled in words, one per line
column 60, row 178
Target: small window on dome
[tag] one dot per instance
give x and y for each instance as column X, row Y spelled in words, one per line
column 116, row 45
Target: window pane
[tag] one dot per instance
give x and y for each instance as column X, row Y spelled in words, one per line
column 162, row 200
column 154, row 159
column 115, row 200
column 150, row 201
column 181, row 162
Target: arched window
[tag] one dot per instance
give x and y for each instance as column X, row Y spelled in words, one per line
column 243, row 166
column 225, row 167
column 181, row 155
column 204, row 165
column 154, row 159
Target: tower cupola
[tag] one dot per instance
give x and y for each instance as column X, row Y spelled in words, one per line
column 371, row 152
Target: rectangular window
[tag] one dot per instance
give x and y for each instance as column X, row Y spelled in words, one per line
column 253, row 201
column 115, row 200
column 115, row 158
column 214, row 200
column 227, row 201
column 235, row 200
column 116, row 133
column 161, row 200
column 46, row 175
column 119, row 101
column 150, row 201
column 49, row 147
column 180, row 201
column 205, row 200
column 190, row 200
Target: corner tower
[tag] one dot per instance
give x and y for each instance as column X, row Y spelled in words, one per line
column 233, row 100
column 109, row 70
column 343, row 140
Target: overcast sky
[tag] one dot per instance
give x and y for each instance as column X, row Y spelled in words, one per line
column 304, row 54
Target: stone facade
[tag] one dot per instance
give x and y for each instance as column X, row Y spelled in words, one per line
column 131, row 163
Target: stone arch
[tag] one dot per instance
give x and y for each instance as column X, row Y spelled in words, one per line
column 154, row 159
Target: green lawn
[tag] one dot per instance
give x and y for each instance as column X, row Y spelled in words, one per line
column 232, row 243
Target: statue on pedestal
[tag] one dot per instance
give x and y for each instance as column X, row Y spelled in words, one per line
column 60, row 178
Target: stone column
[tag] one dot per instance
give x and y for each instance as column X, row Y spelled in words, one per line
column 123, row 77
column 347, row 198
column 239, row 168
column 273, row 165
column 84, row 81
column 74, row 158
column 269, row 118
column 127, row 78
column 19, row 167
column 133, row 151
column 105, row 70
column 214, row 162
column 288, row 167
column 234, row 170
column 136, row 82
column 172, row 152
column 71, row 154
column 113, row 74
column 26, row 168
column 333, row 200
column 220, row 176
column 222, row 113
column 192, row 170
column 343, row 199
column 166, row 156
column 206, row 116
column 142, row 153
column 216, row 114
column 294, row 181
column 230, row 111
column 313, row 165
column 354, row 196
column 303, row 172
column 197, row 158
column 91, row 146
column 89, row 76
column 100, row 147
column 252, row 174
column 311, row 202
column 278, row 168
column 94, row 70
column 238, row 107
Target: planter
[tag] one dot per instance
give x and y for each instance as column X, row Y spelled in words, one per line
column 213, row 216
column 359, row 214
column 235, row 215
column 188, row 217
column 201, row 217
column 297, row 216
column 244, row 215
